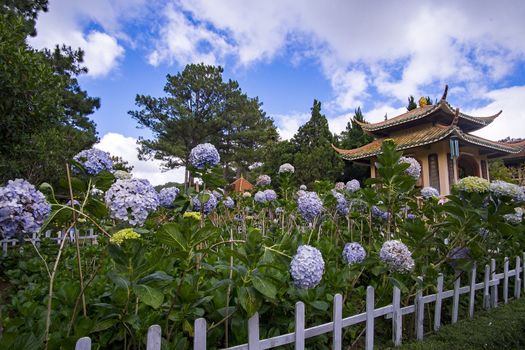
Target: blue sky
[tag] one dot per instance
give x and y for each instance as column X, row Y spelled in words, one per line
column 345, row 53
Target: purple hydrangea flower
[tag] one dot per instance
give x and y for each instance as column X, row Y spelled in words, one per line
column 357, row 205
column 354, row 253
column 411, row 216
column 131, row 200
column 429, row 192
column 380, row 214
column 209, row 206
column 263, row 180
column 397, row 256
column 204, row 155
column 484, row 232
column 229, row 203
column 286, row 168
column 414, row 168
column 167, row 196
column 260, row 197
column 342, row 204
column 94, row 160
column 307, row 267
column 353, row 186
column 270, row 195
column 504, row 189
column 309, row 205
column 217, row 194
column 515, row 218
column 23, row 209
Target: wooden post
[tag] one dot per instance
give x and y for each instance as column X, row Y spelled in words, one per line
column 199, row 328
column 455, row 299
column 506, row 281
column 486, row 294
column 338, row 320
column 154, row 338
column 253, row 332
column 517, row 279
column 523, row 271
column 299, row 326
column 472, row 294
column 83, row 343
column 494, row 289
column 419, row 315
column 439, row 297
column 370, row 301
column 397, row 317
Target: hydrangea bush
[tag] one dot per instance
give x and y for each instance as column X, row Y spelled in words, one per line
column 167, row 195
column 309, row 205
column 353, row 253
column 204, row 155
column 397, row 256
column 307, row 267
column 94, row 160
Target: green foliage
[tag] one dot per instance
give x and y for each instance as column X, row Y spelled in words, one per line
column 411, row 103
column 498, row 171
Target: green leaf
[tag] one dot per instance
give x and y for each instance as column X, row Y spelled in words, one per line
column 320, row 305
column 398, row 284
column 170, row 235
column 264, row 286
column 103, row 325
column 156, row 277
column 248, row 300
column 119, row 280
column 148, row 295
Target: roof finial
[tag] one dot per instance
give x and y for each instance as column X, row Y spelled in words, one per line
column 444, row 97
column 456, row 118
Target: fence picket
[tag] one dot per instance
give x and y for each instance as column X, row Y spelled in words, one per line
column 517, row 279
column 199, row 341
column 299, row 326
column 506, row 281
column 472, row 294
column 370, row 301
column 455, row 300
column 523, row 271
column 494, row 288
column 439, row 297
column 420, row 312
column 397, row 317
column 83, row 343
column 154, row 338
column 486, row 294
column 338, row 322
column 253, row 332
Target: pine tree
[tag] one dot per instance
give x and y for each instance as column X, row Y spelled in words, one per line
column 314, row 158
column 411, row 103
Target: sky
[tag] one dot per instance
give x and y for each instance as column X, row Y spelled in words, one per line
column 347, row 54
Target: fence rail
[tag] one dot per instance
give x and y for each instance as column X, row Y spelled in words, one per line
column 58, row 236
column 394, row 312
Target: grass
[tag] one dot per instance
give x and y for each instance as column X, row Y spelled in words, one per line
column 500, row 328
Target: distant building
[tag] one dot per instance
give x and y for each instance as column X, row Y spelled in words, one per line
column 438, row 136
column 241, row 185
column 516, row 161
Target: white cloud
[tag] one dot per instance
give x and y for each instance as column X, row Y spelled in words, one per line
column 66, row 23
column 512, row 121
column 363, row 47
column 288, row 124
column 126, row 147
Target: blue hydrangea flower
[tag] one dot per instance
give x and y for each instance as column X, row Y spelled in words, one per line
column 411, row 216
column 131, row 200
column 23, row 209
column 354, row 253
column 484, row 232
column 307, row 267
column 515, row 218
column 229, row 203
column 397, row 256
column 167, row 196
column 270, row 195
column 260, row 197
column 263, row 180
column 414, row 168
column 217, row 194
column 429, row 192
column 504, row 189
column 380, row 214
column 310, row 205
column 204, row 155
column 94, row 160
column 286, row 168
column 209, row 206
column 353, row 186
column 342, row 204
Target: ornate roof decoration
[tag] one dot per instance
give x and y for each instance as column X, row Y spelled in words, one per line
column 424, row 137
column 423, row 112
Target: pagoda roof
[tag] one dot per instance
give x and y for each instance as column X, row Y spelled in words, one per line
column 515, row 157
column 241, row 185
column 442, row 110
column 426, row 136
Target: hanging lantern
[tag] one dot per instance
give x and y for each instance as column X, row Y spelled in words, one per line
column 454, row 147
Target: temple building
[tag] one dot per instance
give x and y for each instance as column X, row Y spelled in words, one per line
column 439, row 137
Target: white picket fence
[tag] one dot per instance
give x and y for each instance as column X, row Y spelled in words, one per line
column 394, row 311
column 89, row 235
